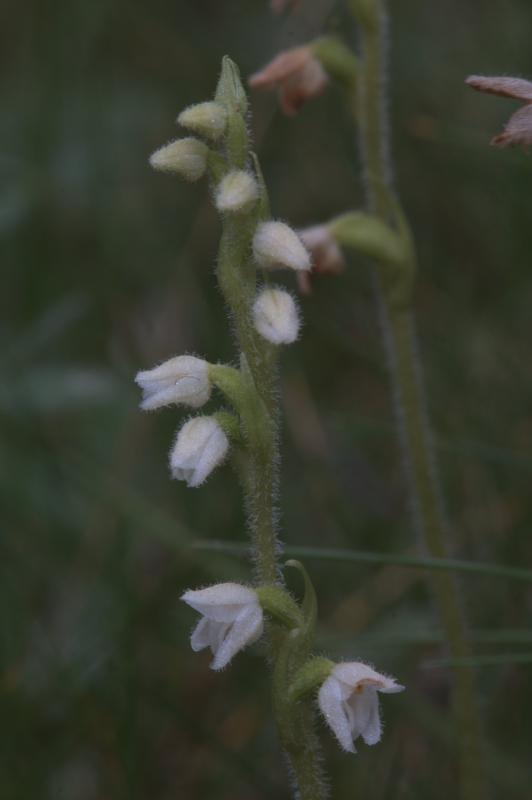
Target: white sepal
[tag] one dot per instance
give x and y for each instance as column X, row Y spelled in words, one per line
column 276, row 317
column 201, row 445
column 181, row 380
column 231, row 619
column 349, row 702
column 277, row 245
column 238, row 191
column 186, row 157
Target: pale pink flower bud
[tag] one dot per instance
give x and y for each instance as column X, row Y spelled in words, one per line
column 298, row 75
column 184, row 157
column 231, row 619
column 201, row 445
column 518, row 129
column 276, row 317
column 349, row 702
column 181, row 380
column 277, row 245
column 237, row 191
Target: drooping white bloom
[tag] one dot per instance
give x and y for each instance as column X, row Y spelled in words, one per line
column 276, row 317
column 277, row 245
column 231, row 619
column 238, row 190
column 183, row 379
column 186, row 157
column 349, row 702
column 201, row 445
column 207, row 119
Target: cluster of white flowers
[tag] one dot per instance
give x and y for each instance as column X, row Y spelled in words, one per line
column 201, row 444
column 232, row 618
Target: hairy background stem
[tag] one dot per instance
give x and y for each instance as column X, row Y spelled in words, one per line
column 410, row 405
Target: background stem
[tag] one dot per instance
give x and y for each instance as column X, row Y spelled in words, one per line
column 410, row 407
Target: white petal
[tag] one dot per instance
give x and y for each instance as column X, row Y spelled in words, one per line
column 353, row 673
column 245, row 630
column 212, row 454
column 332, row 706
column 222, row 602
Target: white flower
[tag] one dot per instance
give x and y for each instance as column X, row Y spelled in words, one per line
column 207, row 119
column 232, row 618
column 276, row 317
column 237, row 191
column 186, row 157
column 349, row 702
column 277, row 245
column 201, row 445
column 183, row 379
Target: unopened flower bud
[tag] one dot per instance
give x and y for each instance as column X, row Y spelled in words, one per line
column 237, row 191
column 277, row 245
column 201, row 445
column 186, row 157
column 181, row 380
column 205, row 119
column 276, row 317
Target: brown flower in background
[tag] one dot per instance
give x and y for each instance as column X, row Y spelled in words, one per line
column 278, row 6
column 325, row 252
column 298, row 75
column 519, row 127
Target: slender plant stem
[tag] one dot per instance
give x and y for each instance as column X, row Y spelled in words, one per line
column 410, row 406
column 258, row 368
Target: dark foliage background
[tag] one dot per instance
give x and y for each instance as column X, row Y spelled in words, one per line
column 108, row 268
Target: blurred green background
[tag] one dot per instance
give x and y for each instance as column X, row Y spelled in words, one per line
column 108, row 269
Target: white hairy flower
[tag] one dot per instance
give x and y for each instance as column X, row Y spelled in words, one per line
column 238, row 191
column 231, row 619
column 186, row 157
column 276, row 317
column 206, row 119
column 277, row 245
column 201, row 445
column 181, row 380
column 349, row 702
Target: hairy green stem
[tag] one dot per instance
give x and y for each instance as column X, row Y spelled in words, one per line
column 411, row 414
column 260, row 413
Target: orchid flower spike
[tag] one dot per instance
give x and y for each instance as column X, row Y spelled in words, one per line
column 297, row 73
column 201, row 445
column 181, row 380
column 518, row 129
column 231, row 619
column 349, row 702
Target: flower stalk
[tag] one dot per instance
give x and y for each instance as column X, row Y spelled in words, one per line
column 369, row 103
